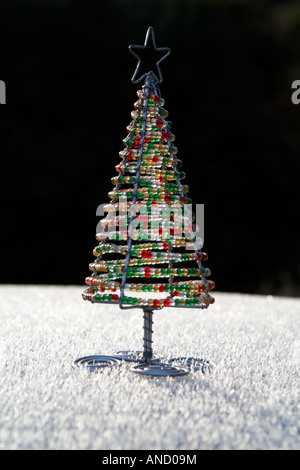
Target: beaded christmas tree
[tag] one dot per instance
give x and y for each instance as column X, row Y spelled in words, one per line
column 149, row 255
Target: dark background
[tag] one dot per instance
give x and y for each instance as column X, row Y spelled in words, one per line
column 227, row 86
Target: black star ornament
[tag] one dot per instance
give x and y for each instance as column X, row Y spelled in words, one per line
column 144, row 51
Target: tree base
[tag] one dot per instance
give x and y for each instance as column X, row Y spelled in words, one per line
column 175, row 367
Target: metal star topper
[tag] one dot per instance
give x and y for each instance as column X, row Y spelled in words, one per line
column 165, row 50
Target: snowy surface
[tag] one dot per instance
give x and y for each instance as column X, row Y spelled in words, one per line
column 249, row 401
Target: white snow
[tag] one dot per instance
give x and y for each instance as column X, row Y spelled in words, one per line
column 249, row 401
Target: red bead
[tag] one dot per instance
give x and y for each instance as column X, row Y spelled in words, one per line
column 166, row 246
column 166, row 135
column 167, row 302
column 149, row 254
column 167, row 198
column 115, row 297
column 159, row 122
column 176, row 293
column 162, row 288
column 156, row 303
column 156, row 98
column 102, row 289
column 155, row 159
column 147, row 272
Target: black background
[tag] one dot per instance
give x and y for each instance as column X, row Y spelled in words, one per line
column 227, row 86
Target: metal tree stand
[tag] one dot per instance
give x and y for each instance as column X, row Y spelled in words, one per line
column 148, row 362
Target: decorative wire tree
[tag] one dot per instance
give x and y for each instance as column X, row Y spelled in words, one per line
column 149, row 245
